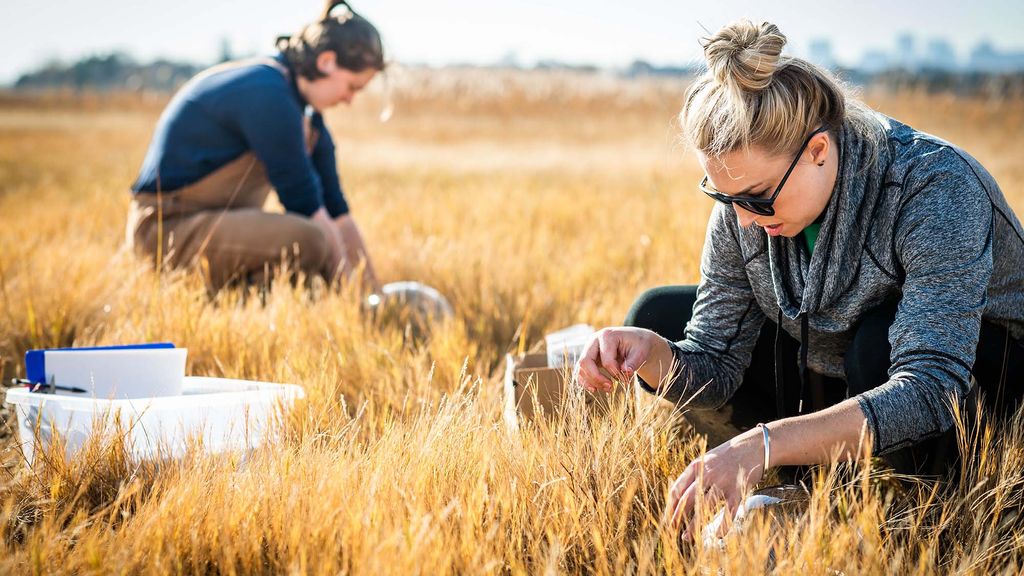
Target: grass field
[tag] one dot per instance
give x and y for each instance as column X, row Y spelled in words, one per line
column 532, row 201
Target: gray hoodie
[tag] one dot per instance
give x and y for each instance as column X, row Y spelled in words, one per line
column 924, row 225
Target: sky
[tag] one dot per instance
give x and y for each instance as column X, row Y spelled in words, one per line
column 439, row 32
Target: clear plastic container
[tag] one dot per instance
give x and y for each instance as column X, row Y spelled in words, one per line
column 566, row 345
column 227, row 414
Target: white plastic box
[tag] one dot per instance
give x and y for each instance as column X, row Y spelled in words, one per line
column 227, row 414
column 566, row 345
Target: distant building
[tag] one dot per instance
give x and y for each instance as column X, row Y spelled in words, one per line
column 906, row 52
column 641, row 68
column 986, row 58
column 226, row 53
column 939, row 55
column 552, row 64
column 821, row 53
column 875, row 61
column 509, row 60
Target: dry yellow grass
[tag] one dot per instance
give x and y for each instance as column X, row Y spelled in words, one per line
column 533, row 201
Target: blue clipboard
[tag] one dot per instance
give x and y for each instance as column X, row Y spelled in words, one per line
column 35, row 360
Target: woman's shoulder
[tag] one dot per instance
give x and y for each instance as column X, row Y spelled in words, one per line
column 244, row 78
column 942, row 192
column 922, row 161
column 916, row 151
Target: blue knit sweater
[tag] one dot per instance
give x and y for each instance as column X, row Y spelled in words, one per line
column 218, row 116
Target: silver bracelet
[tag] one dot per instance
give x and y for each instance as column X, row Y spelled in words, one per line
column 767, row 448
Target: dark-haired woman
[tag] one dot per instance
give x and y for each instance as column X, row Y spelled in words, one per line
column 860, row 280
column 241, row 128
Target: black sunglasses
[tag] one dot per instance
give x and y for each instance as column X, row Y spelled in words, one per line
column 759, row 204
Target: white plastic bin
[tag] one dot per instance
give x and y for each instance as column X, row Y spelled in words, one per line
column 228, row 414
column 566, row 345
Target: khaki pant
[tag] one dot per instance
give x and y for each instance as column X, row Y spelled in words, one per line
column 218, row 223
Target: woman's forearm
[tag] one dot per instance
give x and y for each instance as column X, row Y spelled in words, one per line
column 355, row 252
column 657, row 369
column 837, row 432
column 334, row 243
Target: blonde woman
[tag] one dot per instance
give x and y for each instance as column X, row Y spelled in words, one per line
column 857, row 278
column 241, row 128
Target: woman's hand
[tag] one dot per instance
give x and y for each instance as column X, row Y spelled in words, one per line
column 347, row 249
column 354, row 253
column 721, row 477
column 334, row 244
column 618, row 353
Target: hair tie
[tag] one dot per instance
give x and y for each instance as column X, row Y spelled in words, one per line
column 334, row 4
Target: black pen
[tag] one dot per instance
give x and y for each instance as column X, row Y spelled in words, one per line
column 41, row 386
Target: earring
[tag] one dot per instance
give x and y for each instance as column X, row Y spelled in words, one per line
column 822, row 163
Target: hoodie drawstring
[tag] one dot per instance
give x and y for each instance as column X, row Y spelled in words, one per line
column 803, row 361
column 779, row 389
column 779, row 399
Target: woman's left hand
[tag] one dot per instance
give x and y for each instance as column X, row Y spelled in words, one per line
column 719, row 478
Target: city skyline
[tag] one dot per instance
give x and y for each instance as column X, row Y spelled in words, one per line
column 912, row 53
column 449, row 31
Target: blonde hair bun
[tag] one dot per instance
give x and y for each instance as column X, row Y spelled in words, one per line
column 751, row 95
column 744, row 54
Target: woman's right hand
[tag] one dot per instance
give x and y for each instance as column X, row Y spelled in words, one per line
column 619, row 353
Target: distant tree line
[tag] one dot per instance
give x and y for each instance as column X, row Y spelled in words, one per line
column 118, row 72
column 115, row 71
